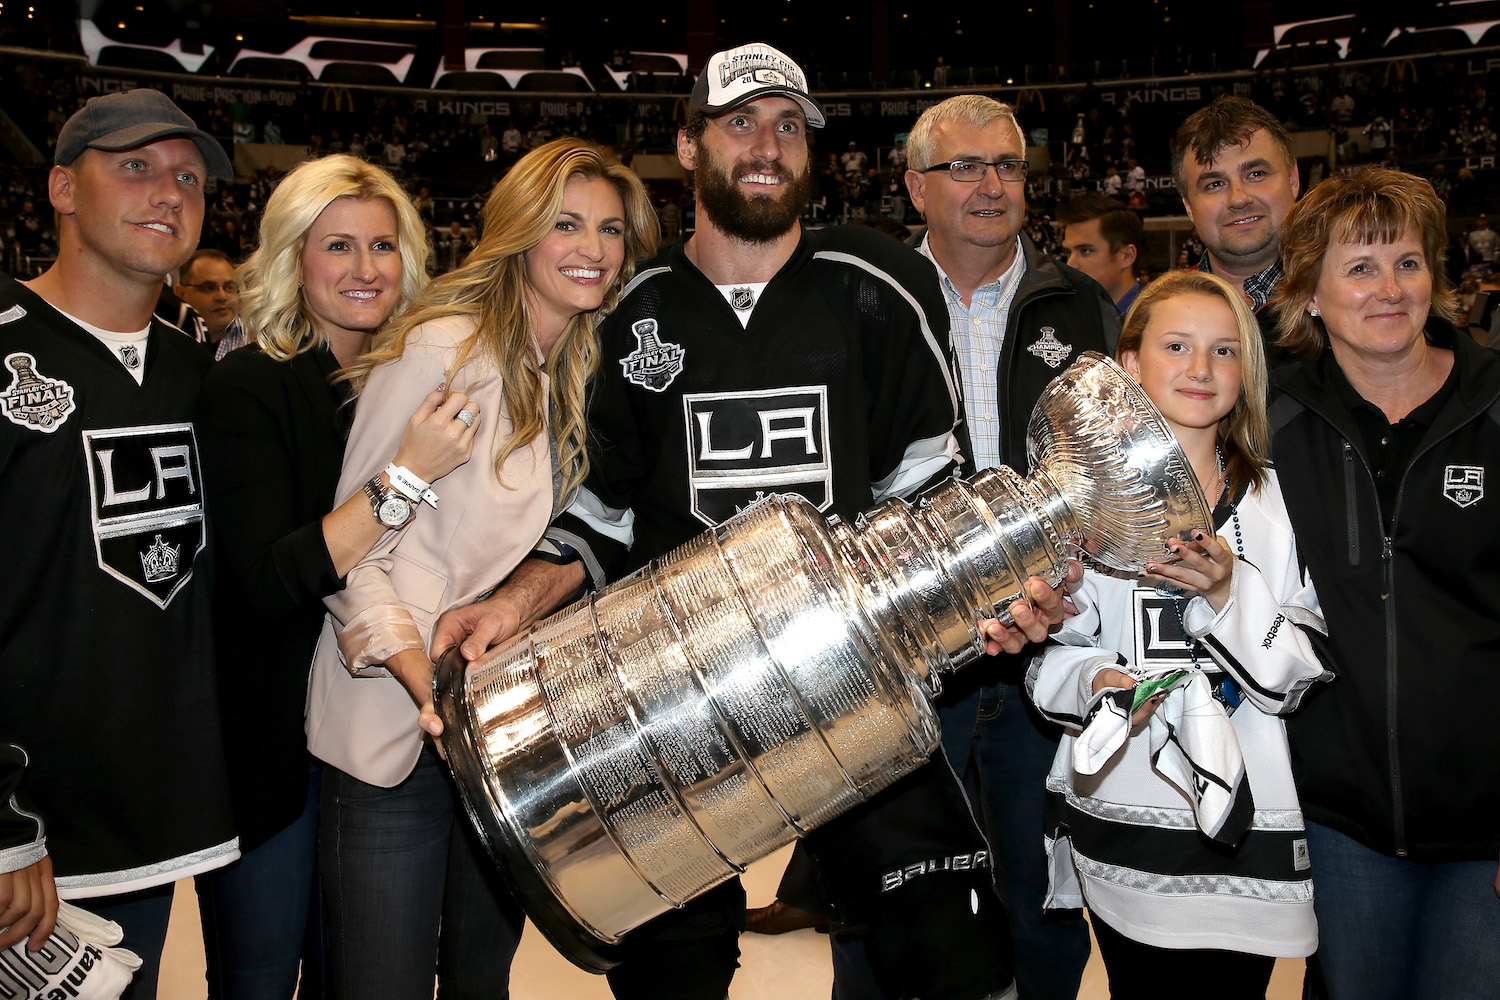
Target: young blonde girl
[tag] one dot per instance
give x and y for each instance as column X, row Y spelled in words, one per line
column 1173, row 817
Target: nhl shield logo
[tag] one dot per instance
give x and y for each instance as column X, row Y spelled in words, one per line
column 1464, row 484
column 652, row 364
column 1050, row 349
column 33, row 400
column 742, row 298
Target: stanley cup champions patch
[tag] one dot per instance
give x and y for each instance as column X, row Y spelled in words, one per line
column 1049, row 348
column 744, row 445
column 147, row 497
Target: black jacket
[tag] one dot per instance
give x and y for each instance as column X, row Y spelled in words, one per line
column 273, row 444
column 1399, row 752
column 1080, row 313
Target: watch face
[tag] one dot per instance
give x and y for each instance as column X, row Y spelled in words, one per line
column 394, row 510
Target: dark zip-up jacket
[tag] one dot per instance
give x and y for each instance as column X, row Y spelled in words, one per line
column 1401, row 751
column 1080, row 314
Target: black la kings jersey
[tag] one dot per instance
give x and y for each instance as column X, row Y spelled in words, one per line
column 105, row 641
column 838, row 390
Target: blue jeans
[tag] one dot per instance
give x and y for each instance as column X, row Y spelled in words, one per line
column 263, row 916
column 410, row 892
column 1392, row 928
column 995, row 731
column 143, row 916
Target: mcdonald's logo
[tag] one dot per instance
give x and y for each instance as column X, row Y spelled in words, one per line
column 1032, row 95
column 338, row 96
column 1400, row 66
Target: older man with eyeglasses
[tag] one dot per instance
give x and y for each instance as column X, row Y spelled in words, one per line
column 206, row 282
column 1018, row 319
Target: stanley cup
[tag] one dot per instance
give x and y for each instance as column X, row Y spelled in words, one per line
column 647, row 743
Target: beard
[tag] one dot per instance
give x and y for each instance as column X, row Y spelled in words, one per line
column 751, row 218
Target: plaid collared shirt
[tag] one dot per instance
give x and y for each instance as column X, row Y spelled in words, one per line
column 1259, row 287
column 978, row 331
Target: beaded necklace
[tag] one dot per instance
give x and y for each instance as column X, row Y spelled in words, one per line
column 1225, row 690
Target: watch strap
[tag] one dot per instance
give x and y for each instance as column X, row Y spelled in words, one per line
column 410, row 485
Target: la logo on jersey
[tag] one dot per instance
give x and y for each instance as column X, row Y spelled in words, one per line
column 1159, row 638
column 1464, row 484
column 147, row 492
column 742, row 445
column 33, row 400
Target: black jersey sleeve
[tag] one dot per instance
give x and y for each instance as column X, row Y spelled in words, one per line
column 906, row 358
column 22, row 839
column 599, row 521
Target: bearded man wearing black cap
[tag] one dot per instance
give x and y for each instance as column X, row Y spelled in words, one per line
column 104, row 626
column 759, row 357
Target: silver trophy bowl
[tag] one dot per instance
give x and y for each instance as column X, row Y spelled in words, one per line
column 647, row 743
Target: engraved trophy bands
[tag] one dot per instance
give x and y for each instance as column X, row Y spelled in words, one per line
column 647, row 743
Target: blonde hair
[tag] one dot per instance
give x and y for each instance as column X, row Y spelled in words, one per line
column 1373, row 205
column 969, row 109
column 1244, row 432
column 491, row 286
column 272, row 306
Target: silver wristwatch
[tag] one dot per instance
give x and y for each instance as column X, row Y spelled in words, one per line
column 391, row 508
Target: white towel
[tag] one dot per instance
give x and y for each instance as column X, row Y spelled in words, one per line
column 79, row 959
column 1193, row 745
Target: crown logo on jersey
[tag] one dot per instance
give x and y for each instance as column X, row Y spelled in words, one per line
column 33, row 400
column 652, row 364
column 160, row 561
column 1050, row 349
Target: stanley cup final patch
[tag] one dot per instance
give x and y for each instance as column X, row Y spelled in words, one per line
column 147, row 493
column 33, row 400
column 1050, row 349
column 652, row 364
column 1464, row 484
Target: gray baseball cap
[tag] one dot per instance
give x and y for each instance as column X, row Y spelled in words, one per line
column 133, row 118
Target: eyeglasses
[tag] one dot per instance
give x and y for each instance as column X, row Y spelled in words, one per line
column 212, row 287
column 972, row 171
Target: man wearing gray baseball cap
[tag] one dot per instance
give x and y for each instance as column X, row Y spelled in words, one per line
column 135, row 118
column 105, row 637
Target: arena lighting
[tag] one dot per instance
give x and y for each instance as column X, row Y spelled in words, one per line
column 1474, row 29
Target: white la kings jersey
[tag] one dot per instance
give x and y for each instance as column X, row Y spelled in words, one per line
column 1124, row 841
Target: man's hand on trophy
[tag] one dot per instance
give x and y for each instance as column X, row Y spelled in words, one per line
column 1034, row 619
column 478, row 626
column 535, row 588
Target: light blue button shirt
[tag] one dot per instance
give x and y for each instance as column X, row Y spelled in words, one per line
column 978, row 331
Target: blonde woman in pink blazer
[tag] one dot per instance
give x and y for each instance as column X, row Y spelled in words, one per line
column 513, row 329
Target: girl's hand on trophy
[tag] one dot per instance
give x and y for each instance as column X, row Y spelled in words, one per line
column 1203, row 568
